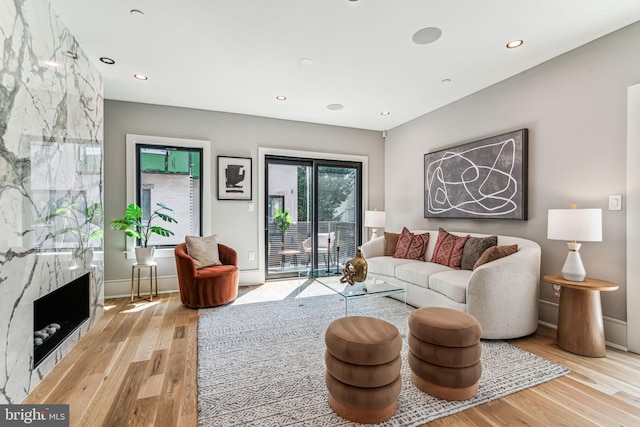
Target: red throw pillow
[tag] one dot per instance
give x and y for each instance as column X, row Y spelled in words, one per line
column 449, row 249
column 411, row 246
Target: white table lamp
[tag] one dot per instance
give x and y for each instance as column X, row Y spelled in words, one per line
column 374, row 220
column 573, row 225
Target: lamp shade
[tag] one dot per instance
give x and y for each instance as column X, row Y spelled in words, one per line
column 584, row 225
column 374, row 219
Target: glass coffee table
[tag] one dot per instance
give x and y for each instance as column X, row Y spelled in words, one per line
column 371, row 287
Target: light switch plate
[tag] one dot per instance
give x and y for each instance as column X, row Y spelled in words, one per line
column 251, row 206
column 615, row 202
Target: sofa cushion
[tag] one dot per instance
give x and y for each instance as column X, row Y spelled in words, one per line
column 474, row 248
column 494, row 253
column 203, row 250
column 411, row 246
column 452, row 283
column 385, row 265
column 390, row 242
column 448, row 249
column 418, row 272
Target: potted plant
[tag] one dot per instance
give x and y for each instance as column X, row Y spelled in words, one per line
column 134, row 226
column 85, row 226
column 283, row 222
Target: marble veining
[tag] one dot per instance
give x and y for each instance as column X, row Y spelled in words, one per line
column 51, row 140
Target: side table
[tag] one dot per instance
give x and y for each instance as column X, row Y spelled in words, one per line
column 153, row 268
column 580, row 325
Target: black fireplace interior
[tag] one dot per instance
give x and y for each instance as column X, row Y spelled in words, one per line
column 59, row 313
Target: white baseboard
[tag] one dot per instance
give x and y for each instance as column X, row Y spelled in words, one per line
column 615, row 330
column 166, row 284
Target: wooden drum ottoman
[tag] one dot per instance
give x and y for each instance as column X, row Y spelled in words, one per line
column 444, row 352
column 363, row 368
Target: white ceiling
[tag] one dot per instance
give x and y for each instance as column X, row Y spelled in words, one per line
column 238, row 55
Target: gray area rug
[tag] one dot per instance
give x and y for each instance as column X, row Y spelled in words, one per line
column 261, row 362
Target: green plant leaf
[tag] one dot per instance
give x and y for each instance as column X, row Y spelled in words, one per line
column 161, row 231
column 96, row 235
column 166, row 217
column 133, row 211
column 163, row 206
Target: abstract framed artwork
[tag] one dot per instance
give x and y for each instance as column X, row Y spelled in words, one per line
column 234, row 178
column 485, row 179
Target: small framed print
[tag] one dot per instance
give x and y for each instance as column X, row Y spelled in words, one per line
column 234, row 178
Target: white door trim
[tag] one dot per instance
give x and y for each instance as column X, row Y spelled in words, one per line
column 633, row 218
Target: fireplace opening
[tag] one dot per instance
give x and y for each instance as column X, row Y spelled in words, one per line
column 59, row 313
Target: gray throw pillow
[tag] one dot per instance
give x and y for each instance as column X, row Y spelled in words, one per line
column 203, row 250
column 474, row 248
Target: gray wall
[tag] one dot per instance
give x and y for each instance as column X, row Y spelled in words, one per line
column 575, row 109
column 232, row 135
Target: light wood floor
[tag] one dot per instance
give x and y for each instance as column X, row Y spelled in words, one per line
column 138, row 367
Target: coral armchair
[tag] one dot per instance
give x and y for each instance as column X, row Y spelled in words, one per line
column 209, row 286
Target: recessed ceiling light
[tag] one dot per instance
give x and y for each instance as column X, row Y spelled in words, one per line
column 136, row 13
column 446, row 80
column 140, row 76
column 305, row 62
column 514, row 43
column 335, row 107
column 281, row 97
column 107, row 61
column 427, row 35
column 385, row 113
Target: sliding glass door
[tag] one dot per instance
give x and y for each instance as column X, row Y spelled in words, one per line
column 313, row 215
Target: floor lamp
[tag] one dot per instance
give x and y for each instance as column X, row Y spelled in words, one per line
column 374, row 219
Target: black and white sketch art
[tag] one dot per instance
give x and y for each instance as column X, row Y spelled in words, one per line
column 482, row 179
column 234, row 178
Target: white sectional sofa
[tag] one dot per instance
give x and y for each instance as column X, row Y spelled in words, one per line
column 502, row 294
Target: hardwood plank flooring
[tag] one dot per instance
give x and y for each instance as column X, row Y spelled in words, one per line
column 138, row 367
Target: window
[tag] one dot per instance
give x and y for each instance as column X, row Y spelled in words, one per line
column 173, row 172
column 170, row 175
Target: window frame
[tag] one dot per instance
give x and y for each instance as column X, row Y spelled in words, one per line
column 132, row 140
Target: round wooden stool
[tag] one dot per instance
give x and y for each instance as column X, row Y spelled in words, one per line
column 363, row 368
column 444, row 352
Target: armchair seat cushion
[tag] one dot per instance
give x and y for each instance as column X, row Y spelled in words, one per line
column 218, row 271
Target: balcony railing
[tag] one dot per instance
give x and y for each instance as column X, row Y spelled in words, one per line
column 290, row 255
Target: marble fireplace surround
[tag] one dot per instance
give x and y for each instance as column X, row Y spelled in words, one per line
column 51, row 141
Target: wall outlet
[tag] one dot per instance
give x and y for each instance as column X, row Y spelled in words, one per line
column 252, row 255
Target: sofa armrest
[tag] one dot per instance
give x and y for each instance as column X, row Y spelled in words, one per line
column 373, row 248
column 503, row 294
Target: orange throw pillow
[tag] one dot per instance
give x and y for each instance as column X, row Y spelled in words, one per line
column 449, row 249
column 494, row 253
column 390, row 243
